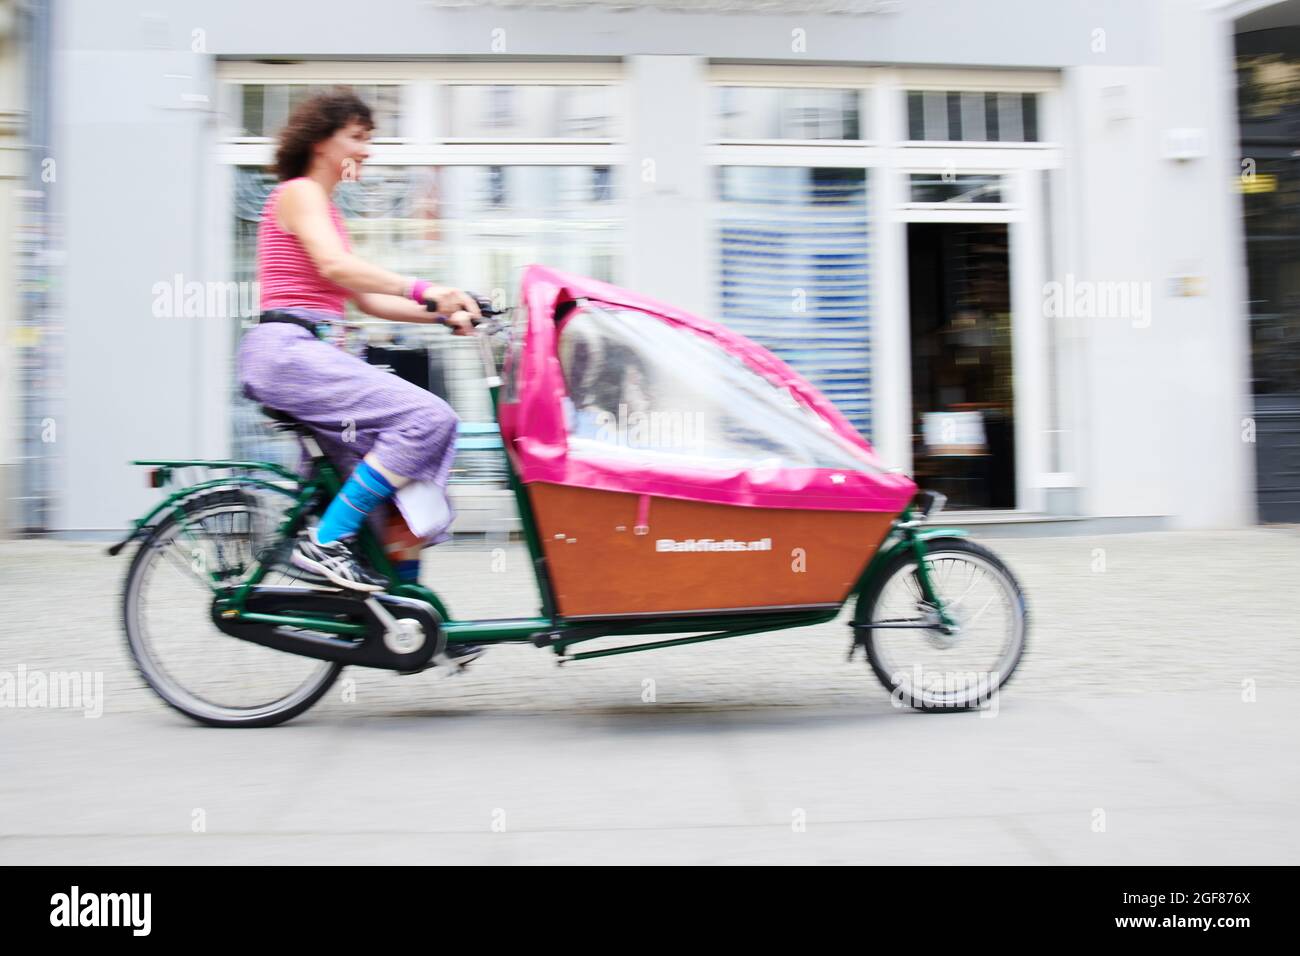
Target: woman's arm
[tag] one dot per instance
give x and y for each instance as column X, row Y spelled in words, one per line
column 303, row 210
column 393, row 308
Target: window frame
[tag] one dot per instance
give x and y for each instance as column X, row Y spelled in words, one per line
column 420, row 145
column 422, row 142
column 1045, row 85
column 888, row 157
column 1006, row 189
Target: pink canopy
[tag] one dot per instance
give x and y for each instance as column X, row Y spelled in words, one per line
column 532, row 414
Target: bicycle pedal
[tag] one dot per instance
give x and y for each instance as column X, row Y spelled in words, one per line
column 450, row 666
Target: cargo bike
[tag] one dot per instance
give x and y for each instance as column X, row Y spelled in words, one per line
column 676, row 483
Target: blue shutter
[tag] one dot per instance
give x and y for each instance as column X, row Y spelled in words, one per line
column 783, row 229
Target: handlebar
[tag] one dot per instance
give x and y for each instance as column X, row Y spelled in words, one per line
column 486, row 310
column 487, row 324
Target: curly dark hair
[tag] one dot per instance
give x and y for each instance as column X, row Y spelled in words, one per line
column 315, row 120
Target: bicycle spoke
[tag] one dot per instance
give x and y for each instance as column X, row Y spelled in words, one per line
column 184, row 656
column 988, row 641
column 185, row 564
column 980, row 613
column 913, row 581
column 964, row 594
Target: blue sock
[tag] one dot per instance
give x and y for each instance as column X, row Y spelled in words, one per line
column 408, row 572
column 366, row 490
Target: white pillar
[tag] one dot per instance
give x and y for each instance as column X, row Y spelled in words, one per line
column 670, row 253
column 891, row 350
column 13, row 160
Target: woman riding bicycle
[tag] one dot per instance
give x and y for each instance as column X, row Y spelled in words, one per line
column 384, row 430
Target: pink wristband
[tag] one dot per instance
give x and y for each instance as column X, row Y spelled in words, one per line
column 417, row 290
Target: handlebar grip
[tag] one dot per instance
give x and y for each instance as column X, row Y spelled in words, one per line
column 484, row 306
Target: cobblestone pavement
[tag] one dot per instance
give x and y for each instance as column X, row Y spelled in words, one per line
column 1129, row 708
column 1117, row 614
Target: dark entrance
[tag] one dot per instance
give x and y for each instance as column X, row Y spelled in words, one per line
column 1268, row 101
column 963, row 422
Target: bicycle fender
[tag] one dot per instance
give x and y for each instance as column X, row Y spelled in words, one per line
column 892, row 545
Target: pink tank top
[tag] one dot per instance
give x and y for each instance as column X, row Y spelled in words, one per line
column 286, row 274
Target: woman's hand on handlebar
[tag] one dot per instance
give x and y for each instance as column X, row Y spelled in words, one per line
column 445, row 300
column 462, row 322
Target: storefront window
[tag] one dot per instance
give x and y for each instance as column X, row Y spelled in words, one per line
column 259, row 110
column 474, row 227
column 795, row 273
column 1268, row 110
column 1268, row 100
column 966, row 116
column 1271, row 203
column 799, row 113
column 951, row 188
column 528, row 112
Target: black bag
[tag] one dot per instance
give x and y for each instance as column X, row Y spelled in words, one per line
column 420, row 366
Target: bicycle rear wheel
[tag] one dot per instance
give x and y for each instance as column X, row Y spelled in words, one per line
column 209, row 676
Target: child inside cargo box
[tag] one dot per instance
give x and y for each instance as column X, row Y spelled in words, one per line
column 631, row 395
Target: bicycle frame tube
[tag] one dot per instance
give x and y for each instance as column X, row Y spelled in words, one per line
column 526, row 520
column 190, row 491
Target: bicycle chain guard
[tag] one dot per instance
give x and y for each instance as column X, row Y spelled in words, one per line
column 421, row 639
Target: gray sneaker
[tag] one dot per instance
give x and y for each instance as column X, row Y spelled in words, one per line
column 336, row 562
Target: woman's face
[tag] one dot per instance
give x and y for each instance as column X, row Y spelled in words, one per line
column 346, row 150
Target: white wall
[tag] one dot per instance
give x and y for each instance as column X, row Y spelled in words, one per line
column 1156, row 409
column 133, row 164
column 1161, row 404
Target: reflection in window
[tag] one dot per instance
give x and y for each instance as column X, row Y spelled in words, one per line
column 963, row 116
column 1268, row 84
column 949, row 188
column 644, row 388
column 528, row 112
column 795, row 273
column 474, row 227
column 260, row 110
column 752, row 112
column 1271, row 203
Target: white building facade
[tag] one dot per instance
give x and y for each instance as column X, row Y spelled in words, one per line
column 1003, row 237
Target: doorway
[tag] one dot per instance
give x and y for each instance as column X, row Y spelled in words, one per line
column 1268, row 112
column 963, row 409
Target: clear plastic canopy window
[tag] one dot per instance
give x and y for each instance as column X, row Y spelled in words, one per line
column 642, row 389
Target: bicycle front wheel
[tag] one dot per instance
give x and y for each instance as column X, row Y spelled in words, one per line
column 921, row 664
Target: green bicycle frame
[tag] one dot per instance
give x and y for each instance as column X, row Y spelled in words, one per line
column 547, row 629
